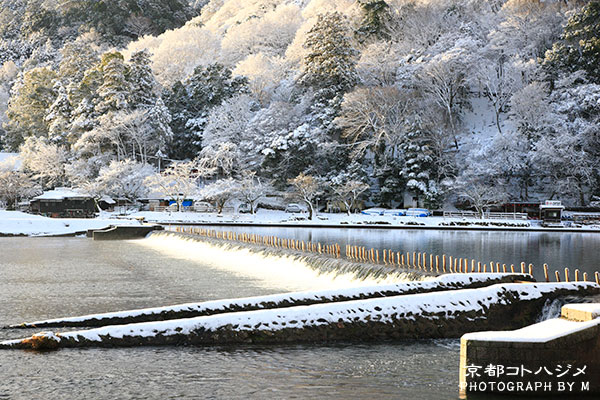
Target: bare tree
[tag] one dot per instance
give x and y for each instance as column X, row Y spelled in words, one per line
column 251, row 189
column 307, row 189
column 178, row 181
column 482, row 196
column 219, row 192
column 349, row 192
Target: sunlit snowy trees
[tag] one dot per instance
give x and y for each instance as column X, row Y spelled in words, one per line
column 405, row 97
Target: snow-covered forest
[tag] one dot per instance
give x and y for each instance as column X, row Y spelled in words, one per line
column 448, row 100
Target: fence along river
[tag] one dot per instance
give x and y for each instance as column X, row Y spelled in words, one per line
column 409, row 261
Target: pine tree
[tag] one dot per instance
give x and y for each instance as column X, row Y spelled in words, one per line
column 374, row 17
column 29, row 104
column 113, row 92
column 331, row 58
column 579, row 45
column 59, row 116
column 419, row 170
column 141, row 81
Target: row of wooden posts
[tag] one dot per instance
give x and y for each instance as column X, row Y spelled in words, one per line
column 415, row 260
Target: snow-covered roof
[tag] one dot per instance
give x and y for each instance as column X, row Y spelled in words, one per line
column 13, row 159
column 61, row 193
column 107, row 200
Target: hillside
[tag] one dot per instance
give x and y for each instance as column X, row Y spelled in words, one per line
column 441, row 101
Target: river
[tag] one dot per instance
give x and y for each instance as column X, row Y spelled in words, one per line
column 52, row 277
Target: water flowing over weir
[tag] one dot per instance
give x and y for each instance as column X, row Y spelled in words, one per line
column 291, row 269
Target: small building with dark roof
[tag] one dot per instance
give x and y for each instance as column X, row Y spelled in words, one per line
column 64, row 203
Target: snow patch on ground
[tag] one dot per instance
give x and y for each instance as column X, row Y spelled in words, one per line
column 20, row 223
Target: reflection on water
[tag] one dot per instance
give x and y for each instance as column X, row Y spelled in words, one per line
column 558, row 250
column 51, row 277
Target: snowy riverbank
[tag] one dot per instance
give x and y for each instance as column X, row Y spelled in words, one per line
column 16, row 223
column 281, row 218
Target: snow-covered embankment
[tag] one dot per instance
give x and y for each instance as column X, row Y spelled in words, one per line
column 190, row 310
column 427, row 315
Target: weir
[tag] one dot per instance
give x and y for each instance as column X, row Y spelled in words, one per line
column 444, row 283
column 446, row 314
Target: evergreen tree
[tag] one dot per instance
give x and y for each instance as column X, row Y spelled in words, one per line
column 114, row 90
column 29, row 104
column 331, row 58
column 419, row 171
column 579, row 45
column 207, row 87
column 141, row 81
column 59, row 116
column 177, row 100
column 374, row 17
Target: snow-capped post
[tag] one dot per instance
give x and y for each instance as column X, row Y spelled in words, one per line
column 530, row 267
column 557, row 276
column 546, row 273
column 566, row 274
column 576, row 274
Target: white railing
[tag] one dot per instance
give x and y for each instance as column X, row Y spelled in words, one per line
column 489, row 215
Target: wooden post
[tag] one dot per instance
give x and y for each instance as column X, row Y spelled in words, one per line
column 512, row 268
column 402, row 259
column 437, row 263
column 585, row 277
column 431, row 262
column 576, row 275
column 498, row 267
column 450, row 259
column 479, row 267
column 484, row 268
column 444, row 262
column 522, row 267
column 557, row 276
column 546, row 277
column 455, row 262
column 418, row 260
column 384, row 257
column 597, row 276
column 377, row 255
column 566, row 274
column 530, row 267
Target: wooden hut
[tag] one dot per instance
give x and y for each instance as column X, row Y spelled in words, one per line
column 63, row 203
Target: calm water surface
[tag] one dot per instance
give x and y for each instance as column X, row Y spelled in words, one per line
column 51, row 277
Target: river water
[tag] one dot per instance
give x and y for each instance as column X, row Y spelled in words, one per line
column 52, row 277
